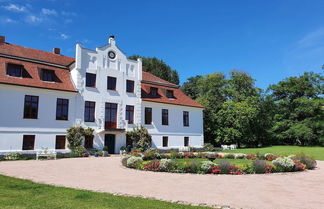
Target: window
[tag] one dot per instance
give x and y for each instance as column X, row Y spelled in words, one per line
column 28, row 142
column 111, row 115
column 130, row 114
column 129, row 86
column 169, row 93
column 31, row 107
column 154, row 92
column 148, row 115
column 14, row 70
column 165, row 117
column 165, row 141
column 62, row 109
column 111, row 83
column 88, row 142
column 90, row 80
column 185, row 118
column 186, row 141
column 48, row 75
column 89, row 111
column 60, row 142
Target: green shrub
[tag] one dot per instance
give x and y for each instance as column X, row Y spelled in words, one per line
column 141, row 137
column 283, row 164
column 309, row 162
column 174, row 154
column 209, row 147
column 76, row 134
column 133, row 162
column 189, row 166
column 124, row 159
column 151, row 154
column 239, row 156
column 78, row 151
column 166, row 164
column 260, row 166
column 260, row 156
column 205, row 166
column 12, row 156
column 229, row 156
column 225, row 167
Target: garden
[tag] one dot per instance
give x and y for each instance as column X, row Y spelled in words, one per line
column 216, row 162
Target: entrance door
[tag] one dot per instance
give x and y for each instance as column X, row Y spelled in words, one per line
column 110, row 143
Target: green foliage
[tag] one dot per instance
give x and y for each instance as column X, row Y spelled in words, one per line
column 133, row 161
column 12, row 156
column 124, row 159
column 309, row 162
column 76, row 134
column 284, row 164
column 78, row 151
column 166, row 164
column 151, row 154
column 299, row 104
column 158, row 68
column 292, row 111
column 209, row 147
column 141, row 137
column 205, row 166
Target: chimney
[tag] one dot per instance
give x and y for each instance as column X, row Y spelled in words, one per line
column 2, row 39
column 111, row 40
column 56, row 51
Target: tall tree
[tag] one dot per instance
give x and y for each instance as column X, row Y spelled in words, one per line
column 190, row 87
column 299, row 116
column 158, row 68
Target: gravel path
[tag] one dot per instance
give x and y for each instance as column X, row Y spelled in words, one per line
column 302, row 190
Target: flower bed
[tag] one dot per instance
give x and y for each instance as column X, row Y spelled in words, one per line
column 216, row 163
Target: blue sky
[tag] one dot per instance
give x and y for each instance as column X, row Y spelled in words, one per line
column 270, row 40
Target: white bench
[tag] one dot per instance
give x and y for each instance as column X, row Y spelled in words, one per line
column 232, row 146
column 184, row 149
column 45, row 153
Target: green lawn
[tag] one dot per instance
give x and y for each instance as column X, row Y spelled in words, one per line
column 316, row 152
column 18, row 194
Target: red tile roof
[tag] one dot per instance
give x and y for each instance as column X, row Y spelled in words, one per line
column 63, row 82
column 149, row 80
column 35, row 54
column 146, row 76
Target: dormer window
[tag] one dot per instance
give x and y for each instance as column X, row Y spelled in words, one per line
column 153, row 92
column 169, row 94
column 15, row 70
column 48, row 75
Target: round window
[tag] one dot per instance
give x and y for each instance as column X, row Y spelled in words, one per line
column 111, row 55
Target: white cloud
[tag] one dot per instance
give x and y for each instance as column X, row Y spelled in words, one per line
column 312, row 38
column 33, row 19
column 48, row 11
column 7, row 20
column 307, row 53
column 14, row 8
column 64, row 36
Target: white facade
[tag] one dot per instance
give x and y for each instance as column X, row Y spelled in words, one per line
column 97, row 62
column 175, row 130
column 45, row 128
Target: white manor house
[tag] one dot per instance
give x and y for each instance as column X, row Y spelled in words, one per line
column 44, row 93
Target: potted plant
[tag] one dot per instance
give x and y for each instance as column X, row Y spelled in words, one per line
column 97, row 154
column 105, row 151
column 122, row 150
